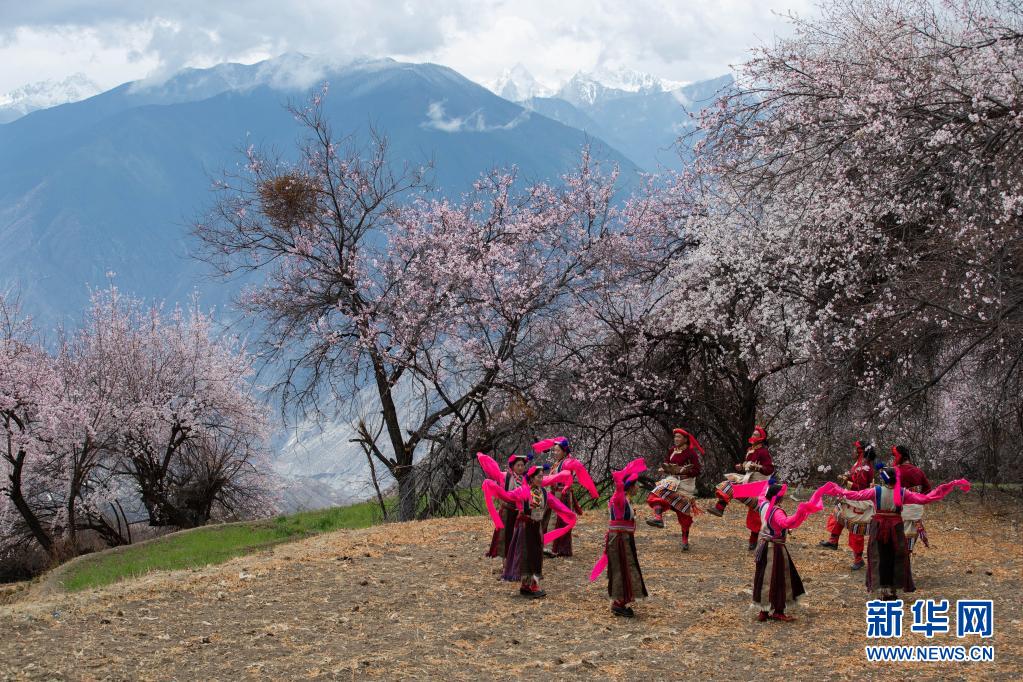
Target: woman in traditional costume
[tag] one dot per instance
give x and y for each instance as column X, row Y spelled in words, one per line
column 852, row 514
column 677, row 490
column 914, row 479
column 564, row 462
column 889, row 567
column 524, row 556
column 776, row 582
column 508, row 480
column 624, row 577
column 757, row 466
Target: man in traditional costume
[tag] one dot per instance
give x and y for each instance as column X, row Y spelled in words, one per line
column 624, row 577
column 564, row 462
column 854, row 515
column 889, row 566
column 756, row 467
column 677, row 490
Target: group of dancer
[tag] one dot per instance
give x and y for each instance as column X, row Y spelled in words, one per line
column 880, row 505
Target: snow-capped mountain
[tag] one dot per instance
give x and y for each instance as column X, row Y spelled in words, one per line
column 517, row 84
column 589, row 89
column 45, row 94
column 585, row 88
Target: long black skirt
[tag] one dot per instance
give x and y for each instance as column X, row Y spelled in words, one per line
column 776, row 582
column 502, row 536
column 525, row 551
column 624, row 577
column 888, row 559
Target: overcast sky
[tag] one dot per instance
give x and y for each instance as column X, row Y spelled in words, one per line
column 113, row 41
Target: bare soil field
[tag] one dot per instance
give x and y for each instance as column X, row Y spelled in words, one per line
column 419, row 600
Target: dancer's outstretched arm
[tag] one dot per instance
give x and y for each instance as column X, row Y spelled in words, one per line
column 910, row 497
column 832, row 489
column 490, row 467
column 565, row 514
column 576, row 467
column 803, row 511
column 563, row 478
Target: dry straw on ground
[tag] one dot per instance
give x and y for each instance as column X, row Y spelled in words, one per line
column 419, row 600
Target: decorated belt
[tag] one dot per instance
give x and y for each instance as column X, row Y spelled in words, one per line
column 622, row 526
column 777, row 541
column 889, row 515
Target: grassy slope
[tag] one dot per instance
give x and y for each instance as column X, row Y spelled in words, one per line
column 219, row 543
column 212, row 545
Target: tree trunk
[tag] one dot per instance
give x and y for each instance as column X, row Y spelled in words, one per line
column 406, row 478
column 747, row 415
column 18, row 498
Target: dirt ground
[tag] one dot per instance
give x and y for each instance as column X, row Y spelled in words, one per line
column 419, row 600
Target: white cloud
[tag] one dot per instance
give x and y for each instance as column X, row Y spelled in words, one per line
column 117, row 40
column 474, row 122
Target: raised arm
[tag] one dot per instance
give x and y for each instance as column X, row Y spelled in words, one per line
column 544, row 445
column 565, row 514
column 575, row 466
column 803, row 511
column 491, row 468
column 909, row 497
column 832, row 489
column 633, row 468
column 563, row 478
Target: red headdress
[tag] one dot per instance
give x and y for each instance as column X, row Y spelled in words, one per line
column 759, row 435
column 896, row 455
column 693, row 443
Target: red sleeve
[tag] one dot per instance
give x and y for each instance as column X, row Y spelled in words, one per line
column 693, row 459
column 763, row 458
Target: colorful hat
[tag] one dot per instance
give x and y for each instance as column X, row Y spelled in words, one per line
column 548, row 443
column 693, row 443
column 759, row 435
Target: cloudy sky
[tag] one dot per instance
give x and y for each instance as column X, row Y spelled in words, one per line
column 113, row 41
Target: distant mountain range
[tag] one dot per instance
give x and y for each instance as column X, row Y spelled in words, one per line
column 638, row 114
column 45, row 94
column 110, row 183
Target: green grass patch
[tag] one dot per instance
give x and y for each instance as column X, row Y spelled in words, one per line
column 217, row 544
column 212, row 545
